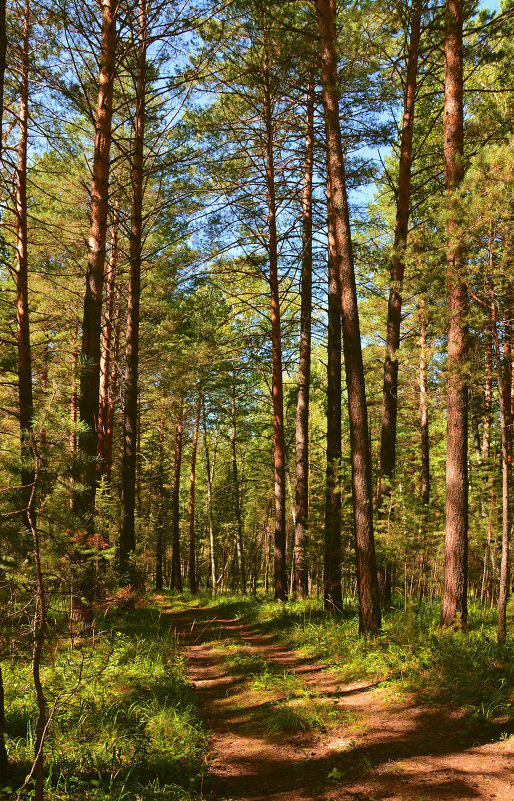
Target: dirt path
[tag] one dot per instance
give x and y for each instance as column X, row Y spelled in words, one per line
column 370, row 747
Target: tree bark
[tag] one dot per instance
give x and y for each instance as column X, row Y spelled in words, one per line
column 209, row 475
column 92, row 314
column 301, row 579
column 280, row 576
column 237, row 497
column 369, row 606
column 104, row 468
column 332, row 593
column 176, row 575
column 504, row 392
column 456, row 541
column 25, row 396
column 423, row 407
column 159, row 545
column 192, row 539
column 394, row 308
column 130, row 420
column 3, row 59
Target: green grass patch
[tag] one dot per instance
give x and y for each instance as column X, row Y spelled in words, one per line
column 125, row 725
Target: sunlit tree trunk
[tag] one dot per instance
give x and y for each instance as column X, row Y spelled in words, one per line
column 130, row 420
column 92, row 315
column 192, row 538
column 369, row 607
column 104, row 469
column 301, row 579
column 25, row 397
column 394, row 309
column 456, row 541
column 176, row 575
column 237, row 495
column 209, row 470
column 332, row 593
column 423, row 406
column 159, row 545
column 280, row 572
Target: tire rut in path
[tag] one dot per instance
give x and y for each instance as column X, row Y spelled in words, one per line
column 380, row 750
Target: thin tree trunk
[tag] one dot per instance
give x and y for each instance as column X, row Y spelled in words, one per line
column 25, row 397
column 332, row 592
column 3, row 59
column 301, row 578
column 159, row 549
column 423, row 407
column 130, row 427
column 209, row 475
column 192, row 539
column 504, row 398
column 394, row 309
column 237, row 497
column 92, row 315
column 280, row 576
column 106, row 352
column 176, row 575
column 488, row 376
column 456, row 541
column 369, row 606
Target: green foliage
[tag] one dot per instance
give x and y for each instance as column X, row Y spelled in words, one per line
column 125, row 723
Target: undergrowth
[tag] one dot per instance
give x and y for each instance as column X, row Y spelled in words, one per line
column 468, row 669
column 125, row 723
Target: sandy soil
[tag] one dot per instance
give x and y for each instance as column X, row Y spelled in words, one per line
column 385, row 750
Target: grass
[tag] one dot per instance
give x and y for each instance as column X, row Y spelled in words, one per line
column 412, row 655
column 289, row 704
column 126, row 725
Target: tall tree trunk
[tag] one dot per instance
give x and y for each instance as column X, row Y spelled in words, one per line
column 237, row 497
column 456, row 541
column 176, row 575
column 112, row 396
column 104, row 470
column 369, row 606
column 280, row 570
column 504, row 391
column 423, row 407
column 92, row 315
column 394, row 309
column 3, row 59
column 25, row 398
column 130, row 420
column 192, row 539
column 332, row 550
column 488, row 376
column 209, row 475
column 280, row 576
column 301, row 578
column 159, row 549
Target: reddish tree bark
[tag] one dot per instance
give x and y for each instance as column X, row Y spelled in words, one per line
column 301, row 579
column 92, row 315
column 25, row 397
column 237, row 495
column 504, row 392
column 159, row 546
column 456, row 541
column 369, row 607
column 104, row 468
column 130, row 421
column 176, row 574
column 332, row 593
column 280, row 578
column 423, row 407
column 209, row 470
column 394, row 309
column 192, row 480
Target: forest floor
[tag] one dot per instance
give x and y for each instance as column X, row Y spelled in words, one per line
column 284, row 728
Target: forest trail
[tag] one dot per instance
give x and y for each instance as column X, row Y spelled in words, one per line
column 365, row 744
